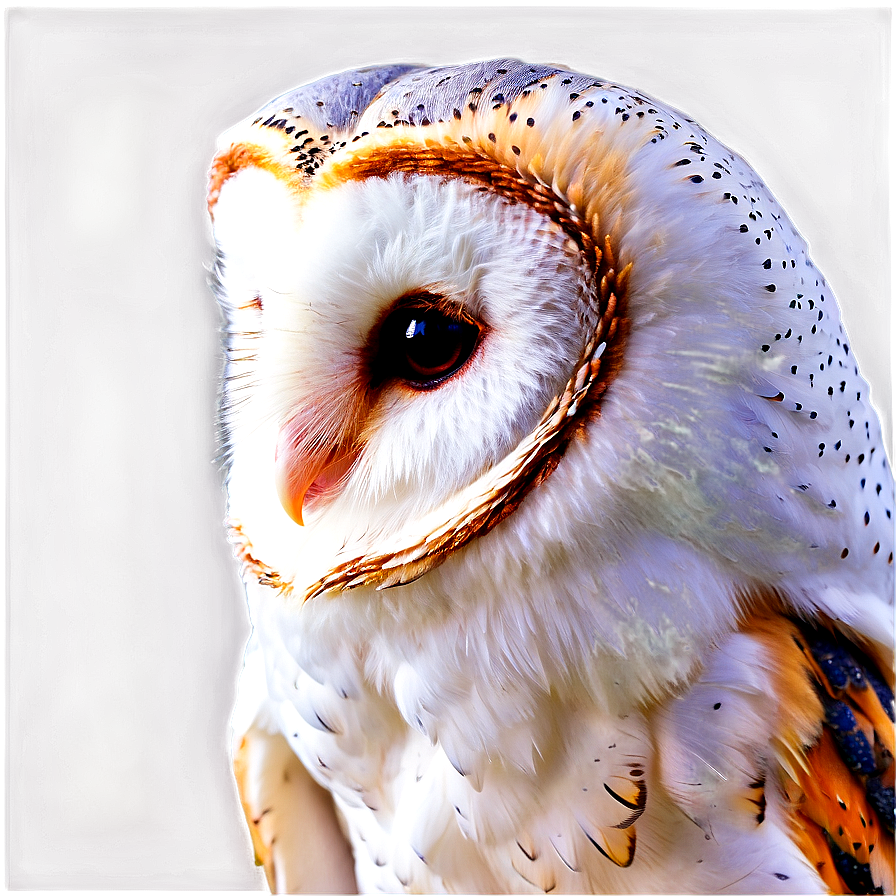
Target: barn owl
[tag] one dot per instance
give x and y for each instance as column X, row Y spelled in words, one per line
column 564, row 518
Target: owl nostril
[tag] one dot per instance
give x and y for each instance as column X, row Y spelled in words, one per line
column 424, row 345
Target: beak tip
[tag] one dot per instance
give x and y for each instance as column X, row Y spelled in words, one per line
column 294, row 510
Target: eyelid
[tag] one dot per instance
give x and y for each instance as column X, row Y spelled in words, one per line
column 427, row 301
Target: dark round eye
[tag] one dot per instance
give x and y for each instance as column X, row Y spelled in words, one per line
column 424, row 345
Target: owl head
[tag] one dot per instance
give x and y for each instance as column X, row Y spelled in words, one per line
column 507, row 328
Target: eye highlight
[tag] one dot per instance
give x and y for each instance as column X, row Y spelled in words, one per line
column 424, row 342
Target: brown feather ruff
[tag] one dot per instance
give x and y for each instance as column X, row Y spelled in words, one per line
column 835, row 748
column 249, row 564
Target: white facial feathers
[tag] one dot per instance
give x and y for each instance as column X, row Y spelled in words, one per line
column 358, row 249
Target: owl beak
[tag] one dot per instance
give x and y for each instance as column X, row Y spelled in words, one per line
column 307, row 470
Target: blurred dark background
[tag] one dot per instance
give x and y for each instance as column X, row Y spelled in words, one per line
column 126, row 622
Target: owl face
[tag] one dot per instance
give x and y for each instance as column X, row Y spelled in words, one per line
column 412, row 331
column 475, row 309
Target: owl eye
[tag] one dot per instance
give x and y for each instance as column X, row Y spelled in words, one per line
column 424, row 345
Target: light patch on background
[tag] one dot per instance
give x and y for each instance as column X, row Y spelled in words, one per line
column 112, row 748
column 103, row 178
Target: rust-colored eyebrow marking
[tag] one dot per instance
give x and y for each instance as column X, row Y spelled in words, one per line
column 470, row 165
column 237, row 157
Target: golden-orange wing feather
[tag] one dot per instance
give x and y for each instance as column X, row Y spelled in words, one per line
column 842, row 785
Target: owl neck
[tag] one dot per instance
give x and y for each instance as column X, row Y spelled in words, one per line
column 544, row 630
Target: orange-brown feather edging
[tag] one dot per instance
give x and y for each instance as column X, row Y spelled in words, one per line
column 238, row 157
column 249, row 564
column 241, row 771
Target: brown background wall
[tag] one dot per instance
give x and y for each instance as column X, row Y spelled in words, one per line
column 125, row 618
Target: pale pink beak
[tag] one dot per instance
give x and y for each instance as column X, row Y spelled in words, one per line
column 307, row 465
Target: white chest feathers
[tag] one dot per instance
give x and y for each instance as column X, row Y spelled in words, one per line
column 567, row 797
